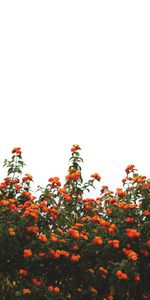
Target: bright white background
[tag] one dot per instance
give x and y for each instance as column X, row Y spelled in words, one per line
column 75, row 72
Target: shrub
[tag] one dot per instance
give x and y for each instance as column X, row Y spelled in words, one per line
column 63, row 245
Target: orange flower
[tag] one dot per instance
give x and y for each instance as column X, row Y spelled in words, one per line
column 53, row 210
column 124, row 180
column 112, row 228
column 74, row 233
column 62, row 241
column 27, row 177
column 109, row 242
column 103, row 188
column 27, row 204
column 93, row 290
column 60, row 230
column 34, row 215
column 54, row 237
column 97, row 240
column 145, row 186
column 67, row 197
column 121, row 204
column 114, row 242
column 87, row 207
column 129, row 220
column 121, row 275
column 72, row 170
column 109, row 211
column 146, row 213
column 121, row 193
column 129, row 168
column 50, row 288
column 26, row 291
column 17, row 150
column 91, row 270
column 96, row 218
column 55, row 253
column 75, row 247
column 110, row 297
column 132, row 255
column 33, row 229
column 84, row 219
column 83, row 236
column 17, row 187
column 26, row 194
column 13, row 207
column 137, row 277
column 4, row 202
column 61, row 191
column 56, row 290
column 27, row 253
column 42, row 203
column 103, row 270
column 3, row 185
column 96, row 176
column 23, row 272
column 75, row 176
column 41, row 254
column 12, row 200
column 75, row 148
column 75, row 257
column 139, row 180
column 36, row 282
column 11, row 231
column 128, row 206
column 148, row 243
column 68, row 178
column 131, row 233
column 77, row 225
column 55, row 181
column 64, row 253
column 42, row 237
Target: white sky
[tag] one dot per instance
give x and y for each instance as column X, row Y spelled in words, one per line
column 75, row 72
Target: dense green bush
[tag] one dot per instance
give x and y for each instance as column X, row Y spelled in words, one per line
column 62, row 245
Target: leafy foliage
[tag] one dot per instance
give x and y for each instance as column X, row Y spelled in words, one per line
column 62, row 245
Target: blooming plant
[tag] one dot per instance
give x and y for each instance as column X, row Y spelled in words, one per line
column 63, row 245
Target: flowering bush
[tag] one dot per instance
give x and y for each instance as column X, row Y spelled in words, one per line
column 62, row 245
